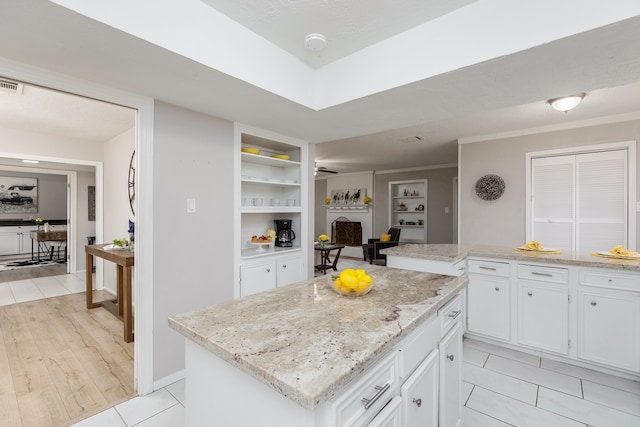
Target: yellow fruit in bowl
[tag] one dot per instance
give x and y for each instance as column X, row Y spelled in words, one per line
column 353, row 282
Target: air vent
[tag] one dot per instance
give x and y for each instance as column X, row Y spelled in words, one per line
column 416, row 138
column 10, row 87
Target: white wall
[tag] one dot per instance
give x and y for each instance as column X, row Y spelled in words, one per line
column 365, row 217
column 193, row 158
column 117, row 212
column 502, row 222
column 38, row 144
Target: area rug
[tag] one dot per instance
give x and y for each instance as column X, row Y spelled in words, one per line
column 25, row 263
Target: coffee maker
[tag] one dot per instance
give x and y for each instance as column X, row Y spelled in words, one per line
column 284, row 233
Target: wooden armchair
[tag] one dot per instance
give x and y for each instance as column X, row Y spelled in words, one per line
column 371, row 249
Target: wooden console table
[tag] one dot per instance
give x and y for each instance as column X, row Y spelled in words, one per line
column 42, row 237
column 121, row 306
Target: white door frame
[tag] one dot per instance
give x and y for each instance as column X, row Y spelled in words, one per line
column 72, row 197
column 143, row 273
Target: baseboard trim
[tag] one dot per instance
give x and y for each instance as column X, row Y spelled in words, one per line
column 168, row 380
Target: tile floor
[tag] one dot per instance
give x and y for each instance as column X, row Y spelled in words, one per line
column 41, row 287
column 503, row 387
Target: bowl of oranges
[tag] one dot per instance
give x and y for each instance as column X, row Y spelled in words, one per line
column 352, row 283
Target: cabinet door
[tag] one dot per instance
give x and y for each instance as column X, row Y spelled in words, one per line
column 257, row 277
column 289, row 270
column 488, row 306
column 450, row 394
column 543, row 316
column 25, row 242
column 390, row 416
column 9, row 243
column 609, row 327
column 420, row 394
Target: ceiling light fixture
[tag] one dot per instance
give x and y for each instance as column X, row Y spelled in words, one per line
column 30, row 161
column 315, row 41
column 566, row 103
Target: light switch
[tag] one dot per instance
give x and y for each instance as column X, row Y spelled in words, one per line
column 191, row 205
column 446, row 210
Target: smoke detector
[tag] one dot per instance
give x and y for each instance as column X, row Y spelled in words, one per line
column 315, row 41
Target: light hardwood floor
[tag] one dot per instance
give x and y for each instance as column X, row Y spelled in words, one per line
column 60, row 363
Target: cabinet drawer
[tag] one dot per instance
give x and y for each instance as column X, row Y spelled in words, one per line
column 416, row 346
column 543, row 274
column 610, row 279
column 378, row 386
column 450, row 313
column 488, row 267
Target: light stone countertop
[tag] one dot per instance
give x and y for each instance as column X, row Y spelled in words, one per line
column 454, row 253
column 307, row 342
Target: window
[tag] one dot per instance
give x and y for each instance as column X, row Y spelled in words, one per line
column 580, row 201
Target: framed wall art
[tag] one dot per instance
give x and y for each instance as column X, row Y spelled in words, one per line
column 18, row 195
column 348, row 197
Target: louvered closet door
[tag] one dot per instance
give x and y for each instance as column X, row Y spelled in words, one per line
column 602, row 200
column 552, row 201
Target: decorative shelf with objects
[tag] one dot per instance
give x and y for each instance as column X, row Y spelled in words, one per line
column 408, row 209
column 363, row 207
column 272, row 187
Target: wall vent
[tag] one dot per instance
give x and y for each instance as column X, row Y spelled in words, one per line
column 11, row 87
column 416, row 138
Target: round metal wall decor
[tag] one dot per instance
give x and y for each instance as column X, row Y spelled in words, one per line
column 490, row 187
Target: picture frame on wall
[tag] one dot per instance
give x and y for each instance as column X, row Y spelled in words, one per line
column 91, row 202
column 18, row 195
column 348, row 197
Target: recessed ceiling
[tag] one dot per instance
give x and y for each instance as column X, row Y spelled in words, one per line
column 349, row 26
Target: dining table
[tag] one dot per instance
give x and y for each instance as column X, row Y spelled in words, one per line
column 121, row 306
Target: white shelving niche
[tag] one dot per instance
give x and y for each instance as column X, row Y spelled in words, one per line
column 269, row 188
column 408, row 209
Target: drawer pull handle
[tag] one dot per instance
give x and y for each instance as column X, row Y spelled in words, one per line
column 368, row 403
column 535, row 273
column 450, row 357
column 530, row 293
column 418, row 402
column 482, row 267
column 284, row 265
column 593, row 303
column 268, row 270
column 497, row 289
column 455, row 314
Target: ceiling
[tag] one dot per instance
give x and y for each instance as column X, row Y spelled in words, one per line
column 435, row 69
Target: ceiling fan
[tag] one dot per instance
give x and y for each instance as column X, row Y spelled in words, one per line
column 318, row 169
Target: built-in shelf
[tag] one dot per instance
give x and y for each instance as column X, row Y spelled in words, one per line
column 414, row 209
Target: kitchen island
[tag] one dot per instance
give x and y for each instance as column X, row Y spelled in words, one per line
column 295, row 354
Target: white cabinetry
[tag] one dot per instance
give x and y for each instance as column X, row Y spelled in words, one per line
column 270, row 272
column 271, row 185
column 15, row 240
column 420, row 394
column 9, row 244
column 609, row 319
column 588, row 316
column 543, row 308
column 488, row 299
column 451, row 378
column 408, row 209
